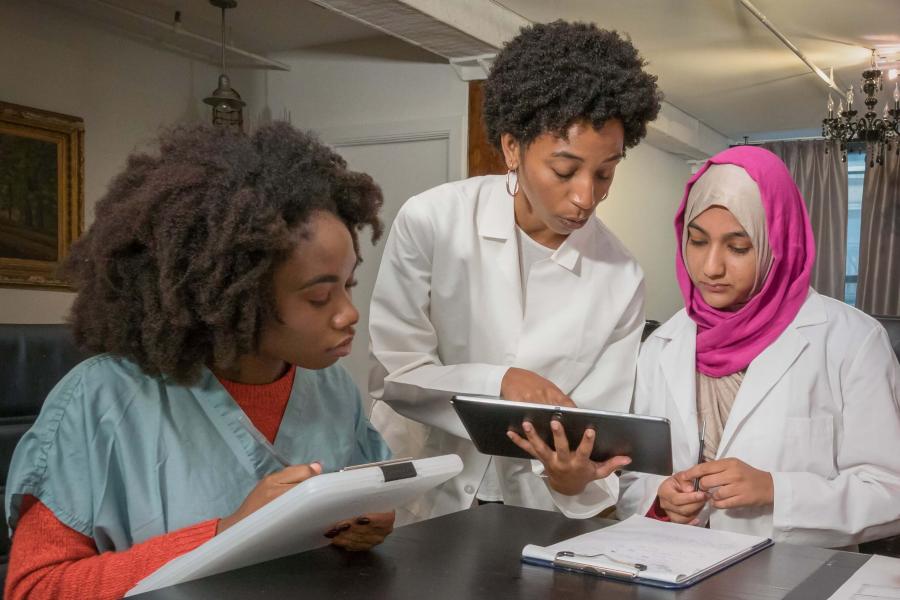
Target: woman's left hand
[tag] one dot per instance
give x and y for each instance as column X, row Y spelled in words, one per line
column 567, row 472
column 362, row 533
column 734, row 483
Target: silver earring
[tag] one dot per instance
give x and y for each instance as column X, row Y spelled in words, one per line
column 514, row 191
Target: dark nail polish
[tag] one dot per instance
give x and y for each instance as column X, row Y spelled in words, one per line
column 331, row 533
column 363, row 521
column 344, row 527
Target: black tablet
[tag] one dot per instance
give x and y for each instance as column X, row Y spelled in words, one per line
column 646, row 440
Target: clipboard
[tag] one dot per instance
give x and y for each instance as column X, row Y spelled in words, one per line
column 621, row 566
column 296, row 521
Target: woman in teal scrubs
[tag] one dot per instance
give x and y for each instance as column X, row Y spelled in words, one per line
column 214, row 287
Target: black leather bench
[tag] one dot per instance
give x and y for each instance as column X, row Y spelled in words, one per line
column 33, row 358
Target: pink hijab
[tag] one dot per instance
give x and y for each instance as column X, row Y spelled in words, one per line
column 728, row 342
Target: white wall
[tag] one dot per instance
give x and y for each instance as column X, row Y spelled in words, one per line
column 58, row 60
column 376, row 80
column 640, row 209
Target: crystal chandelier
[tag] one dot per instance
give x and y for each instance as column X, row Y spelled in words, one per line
column 879, row 134
column 226, row 102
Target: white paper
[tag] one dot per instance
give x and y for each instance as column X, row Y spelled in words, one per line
column 878, row 579
column 296, row 521
column 670, row 552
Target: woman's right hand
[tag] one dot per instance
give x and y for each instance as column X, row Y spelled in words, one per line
column 522, row 385
column 678, row 498
column 268, row 489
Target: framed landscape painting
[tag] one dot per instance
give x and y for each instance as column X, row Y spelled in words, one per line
column 41, row 193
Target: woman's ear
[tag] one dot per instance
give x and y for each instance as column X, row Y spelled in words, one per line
column 510, row 146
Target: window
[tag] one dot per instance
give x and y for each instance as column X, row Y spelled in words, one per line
column 856, row 168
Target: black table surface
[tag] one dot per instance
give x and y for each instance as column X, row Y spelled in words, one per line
column 475, row 554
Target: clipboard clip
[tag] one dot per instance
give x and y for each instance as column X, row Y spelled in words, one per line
column 393, row 469
column 628, row 571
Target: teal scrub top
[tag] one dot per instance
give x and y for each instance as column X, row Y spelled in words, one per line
column 122, row 456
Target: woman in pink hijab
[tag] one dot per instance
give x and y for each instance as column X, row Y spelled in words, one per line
column 798, row 394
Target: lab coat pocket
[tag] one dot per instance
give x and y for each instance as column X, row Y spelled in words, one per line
column 809, row 446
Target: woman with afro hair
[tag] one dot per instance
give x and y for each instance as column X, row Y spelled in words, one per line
column 214, row 286
column 510, row 286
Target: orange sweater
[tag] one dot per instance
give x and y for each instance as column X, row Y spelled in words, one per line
column 50, row 560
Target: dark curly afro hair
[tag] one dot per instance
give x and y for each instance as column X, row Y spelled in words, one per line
column 176, row 271
column 551, row 76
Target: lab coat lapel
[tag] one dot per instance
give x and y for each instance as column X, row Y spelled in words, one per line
column 677, row 361
column 496, row 223
column 769, row 367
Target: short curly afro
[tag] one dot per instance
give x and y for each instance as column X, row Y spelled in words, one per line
column 176, row 271
column 554, row 75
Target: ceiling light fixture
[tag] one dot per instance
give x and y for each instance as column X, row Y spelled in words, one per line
column 879, row 134
column 226, row 102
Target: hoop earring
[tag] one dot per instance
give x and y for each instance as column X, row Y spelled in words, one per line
column 516, row 190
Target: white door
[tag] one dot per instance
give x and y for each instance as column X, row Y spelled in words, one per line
column 404, row 160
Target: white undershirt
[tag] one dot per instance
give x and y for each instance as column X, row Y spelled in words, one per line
column 530, row 252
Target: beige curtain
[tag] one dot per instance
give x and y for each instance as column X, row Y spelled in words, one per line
column 878, row 292
column 822, row 179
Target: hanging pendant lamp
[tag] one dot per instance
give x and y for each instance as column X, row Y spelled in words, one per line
column 227, row 105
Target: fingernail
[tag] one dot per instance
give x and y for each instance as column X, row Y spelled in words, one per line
column 554, row 425
column 331, row 533
column 509, row 434
column 589, row 434
column 363, row 521
column 344, row 527
column 527, row 426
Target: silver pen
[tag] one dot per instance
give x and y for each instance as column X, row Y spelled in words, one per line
column 700, row 454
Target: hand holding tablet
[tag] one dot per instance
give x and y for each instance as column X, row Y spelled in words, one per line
column 568, row 471
column 645, row 440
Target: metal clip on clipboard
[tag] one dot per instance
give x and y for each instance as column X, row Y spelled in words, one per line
column 566, row 560
column 394, row 469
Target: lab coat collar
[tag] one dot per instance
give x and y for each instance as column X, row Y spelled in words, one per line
column 568, row 255
column 812, row 312
column 496, row 220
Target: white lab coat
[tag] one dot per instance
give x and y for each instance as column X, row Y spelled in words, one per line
column 447, row 317
column 819, row 409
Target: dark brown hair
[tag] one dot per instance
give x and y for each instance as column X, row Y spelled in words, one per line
column 176, row 270
column 553, row 75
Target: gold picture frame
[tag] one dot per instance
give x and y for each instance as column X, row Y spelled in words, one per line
column 41, row 194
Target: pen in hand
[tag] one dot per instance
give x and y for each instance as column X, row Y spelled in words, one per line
column 700, row 455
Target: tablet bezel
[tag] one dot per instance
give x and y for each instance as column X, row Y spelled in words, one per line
column 645, row 439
